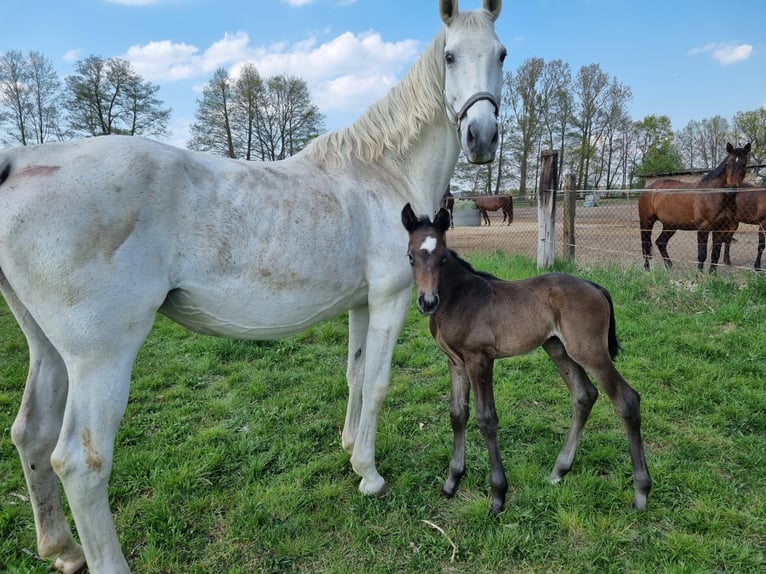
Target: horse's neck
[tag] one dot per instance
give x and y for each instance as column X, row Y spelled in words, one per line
column 457, row 282
column 429, row 165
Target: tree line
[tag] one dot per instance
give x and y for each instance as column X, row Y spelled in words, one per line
column 545, row 105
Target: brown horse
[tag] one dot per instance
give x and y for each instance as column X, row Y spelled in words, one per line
column 487, row 203
column 477, row 318
column 701, row 208
column 448, row 202
column 751, row 208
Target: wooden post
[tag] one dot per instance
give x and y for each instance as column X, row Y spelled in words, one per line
column 546, row 209
column 569, row 216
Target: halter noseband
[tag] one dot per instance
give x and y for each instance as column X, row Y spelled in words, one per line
column 457, row 117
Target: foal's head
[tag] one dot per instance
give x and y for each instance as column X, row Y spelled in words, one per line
column 427, row 252
column 735, row 165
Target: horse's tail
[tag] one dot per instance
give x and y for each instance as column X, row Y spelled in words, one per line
column 509, row 205
column 614, row 344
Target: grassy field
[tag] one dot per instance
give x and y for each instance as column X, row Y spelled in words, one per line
column 229, row 460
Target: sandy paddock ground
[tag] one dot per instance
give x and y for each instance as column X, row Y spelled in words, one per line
column 604, row 234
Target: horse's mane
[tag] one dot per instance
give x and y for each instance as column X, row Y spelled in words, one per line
column 395, row 121
column 468, row 267
column 716, row 172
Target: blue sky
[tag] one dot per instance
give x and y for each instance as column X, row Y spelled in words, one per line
column 687, row 59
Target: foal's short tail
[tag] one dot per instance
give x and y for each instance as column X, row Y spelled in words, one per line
column 614, row 344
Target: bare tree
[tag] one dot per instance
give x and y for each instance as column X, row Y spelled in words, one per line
column 255, row 119
column 213, row 130
column 108, row 97
column 15, row 97
column 591, row 90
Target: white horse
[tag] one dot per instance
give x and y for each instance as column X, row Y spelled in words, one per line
column 98, row 235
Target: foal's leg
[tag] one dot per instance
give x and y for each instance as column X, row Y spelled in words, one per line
column 627, row 405
column 358, row 321
column 662, row 245
column 583, row 395
column 458, row 409
column 34, row 432
column 480, row 374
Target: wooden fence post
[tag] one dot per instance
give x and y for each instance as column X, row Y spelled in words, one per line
column 568, row 235
column 546, row 209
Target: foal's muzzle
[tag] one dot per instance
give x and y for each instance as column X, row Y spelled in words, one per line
column 428, row 302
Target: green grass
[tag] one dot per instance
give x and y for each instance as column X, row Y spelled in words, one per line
column 229, row 460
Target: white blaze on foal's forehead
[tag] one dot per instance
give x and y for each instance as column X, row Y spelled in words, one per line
column 429, row 244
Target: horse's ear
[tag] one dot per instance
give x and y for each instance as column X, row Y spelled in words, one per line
column 729, row 147
column 747, row 147
column 448, row 10
column 409, row 219
column 441, row 221
column 493, row 7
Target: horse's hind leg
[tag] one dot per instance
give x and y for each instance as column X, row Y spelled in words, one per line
column 35, row 432
column 627, row 405
column 715, row 253
column 662, row 245
column 583, row 395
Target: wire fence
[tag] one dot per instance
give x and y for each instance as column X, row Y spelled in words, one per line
column 606, row 232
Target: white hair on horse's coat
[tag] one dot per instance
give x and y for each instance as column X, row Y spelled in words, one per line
column 420, row 92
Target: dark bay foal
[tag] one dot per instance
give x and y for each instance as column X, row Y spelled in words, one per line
column 477, row 318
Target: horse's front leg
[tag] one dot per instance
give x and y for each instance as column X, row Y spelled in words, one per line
column 480, row 373
column 702, row 236
column 761, row 245
column 458, row 409
column 387, row 313
column 358, row 322
column 715, row 253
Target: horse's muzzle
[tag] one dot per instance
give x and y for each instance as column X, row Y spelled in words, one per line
column 428, row 303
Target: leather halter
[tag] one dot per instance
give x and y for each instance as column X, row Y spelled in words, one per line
column 457, row 117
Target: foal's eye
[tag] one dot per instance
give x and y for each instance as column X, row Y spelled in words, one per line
column 409, row 258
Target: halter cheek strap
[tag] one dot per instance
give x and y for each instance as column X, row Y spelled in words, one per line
column 457, row 117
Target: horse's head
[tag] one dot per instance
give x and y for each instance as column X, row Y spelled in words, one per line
column 736, row 164
column 427, row 252
column 473, row 60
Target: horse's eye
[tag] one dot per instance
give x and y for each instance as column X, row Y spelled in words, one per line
column 449, row 57
column 409, row 257
column 503, row 54
column 443, row 259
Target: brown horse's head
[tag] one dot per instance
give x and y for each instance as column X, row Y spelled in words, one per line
column 427, row 252
column 735, row 165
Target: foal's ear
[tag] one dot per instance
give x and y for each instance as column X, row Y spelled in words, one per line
column 747, row 147
column 441, row 221
column 409, row 219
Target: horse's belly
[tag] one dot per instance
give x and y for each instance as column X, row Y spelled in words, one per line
column 257, row 315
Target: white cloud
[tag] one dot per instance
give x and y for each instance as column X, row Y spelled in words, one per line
column 298, row 2
column 726, row 53
column 135, row 2
column 72, row 55
column 345, row 73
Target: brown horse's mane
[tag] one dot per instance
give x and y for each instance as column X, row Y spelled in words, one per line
column 715, row 173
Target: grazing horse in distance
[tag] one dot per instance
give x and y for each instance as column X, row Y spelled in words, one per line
column 751, row 208
column 98, row 235
column 477, row 318
column 487, row 203
column 448, row 202
column 702, row 208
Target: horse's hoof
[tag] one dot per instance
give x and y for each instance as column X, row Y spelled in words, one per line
column 639, row 502
column 376, row 487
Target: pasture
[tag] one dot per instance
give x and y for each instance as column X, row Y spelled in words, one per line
column 229, row 457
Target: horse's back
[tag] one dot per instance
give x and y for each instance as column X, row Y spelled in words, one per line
column 221, row 246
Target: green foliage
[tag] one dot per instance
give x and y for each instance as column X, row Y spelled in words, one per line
column 228, row 458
